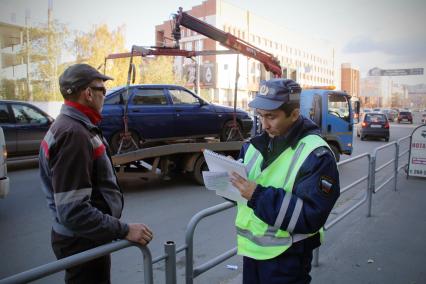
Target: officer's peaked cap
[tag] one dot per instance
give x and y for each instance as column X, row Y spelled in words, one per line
column 276, row 92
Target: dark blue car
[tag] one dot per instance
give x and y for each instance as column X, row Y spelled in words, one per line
column 165, row 113
column 24, row 126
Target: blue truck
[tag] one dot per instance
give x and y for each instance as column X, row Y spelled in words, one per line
column 335, row 112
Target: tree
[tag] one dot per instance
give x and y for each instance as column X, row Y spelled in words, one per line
column 94, row 46
column 48, row 46
column 158, row 70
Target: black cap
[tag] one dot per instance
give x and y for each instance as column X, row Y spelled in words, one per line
column 276, row 92
column 77, row 76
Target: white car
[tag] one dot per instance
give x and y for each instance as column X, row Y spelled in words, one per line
column 4, row 180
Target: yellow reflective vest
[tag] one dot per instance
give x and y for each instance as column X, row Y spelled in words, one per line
column 255, row 238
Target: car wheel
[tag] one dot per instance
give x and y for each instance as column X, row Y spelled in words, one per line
column 387, row 139
column 362, row 138
column 229, row 133
column 335, row 152
column 128, row 144
column 199, row 167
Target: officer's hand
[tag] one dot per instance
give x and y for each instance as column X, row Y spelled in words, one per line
column 139, row 233
column 245, row 187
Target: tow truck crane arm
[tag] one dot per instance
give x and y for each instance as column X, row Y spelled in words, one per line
column 226, row 39
column 166, row 51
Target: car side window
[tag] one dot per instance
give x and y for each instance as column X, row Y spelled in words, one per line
column 149, row 97
column 28, row 115
column 182, row 97
column 4, row 114
column 114, row 97
column 112, row 100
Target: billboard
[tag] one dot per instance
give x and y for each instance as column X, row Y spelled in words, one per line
column 417, row 155
column 395, row 72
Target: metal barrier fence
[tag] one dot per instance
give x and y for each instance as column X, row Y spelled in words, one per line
column 169, row 247
column 64, row 263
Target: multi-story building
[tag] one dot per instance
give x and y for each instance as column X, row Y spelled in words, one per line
column 400, row 96
column 307, row 60
column 350, row 79
column 376, row 91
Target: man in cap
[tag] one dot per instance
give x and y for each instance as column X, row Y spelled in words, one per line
column 292, row 185
column 79, row 180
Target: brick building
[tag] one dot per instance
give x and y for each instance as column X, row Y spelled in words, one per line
column 350, row 79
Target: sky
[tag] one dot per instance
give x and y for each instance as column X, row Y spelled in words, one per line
column 389, row 34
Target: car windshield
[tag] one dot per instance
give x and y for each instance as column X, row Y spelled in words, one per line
column 375, row 118
column 405, row 113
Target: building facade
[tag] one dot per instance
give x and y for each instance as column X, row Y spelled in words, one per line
column 309, row 61
column 350, row 79
column 376, row 92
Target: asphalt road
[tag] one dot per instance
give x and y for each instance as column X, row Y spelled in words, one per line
column 166, row 206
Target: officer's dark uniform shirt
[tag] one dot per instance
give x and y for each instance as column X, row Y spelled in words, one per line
column 318, row 197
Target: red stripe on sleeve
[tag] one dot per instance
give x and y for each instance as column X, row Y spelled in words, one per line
column 99, row 151
column 45, row 148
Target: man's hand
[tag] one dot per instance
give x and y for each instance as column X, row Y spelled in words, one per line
column 245, row 187
column 139, row 233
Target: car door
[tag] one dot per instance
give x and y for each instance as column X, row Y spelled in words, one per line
column 31, row 126
column 151, row 113
column 8, row 125
column 193, row 116
column 339, row 123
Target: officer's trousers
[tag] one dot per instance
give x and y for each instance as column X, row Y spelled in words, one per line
column 286, row 268
column 94, row 271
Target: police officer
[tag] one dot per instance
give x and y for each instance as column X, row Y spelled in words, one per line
column 292, row 185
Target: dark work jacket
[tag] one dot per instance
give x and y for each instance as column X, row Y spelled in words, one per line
column 79, row 180
column 317, row 202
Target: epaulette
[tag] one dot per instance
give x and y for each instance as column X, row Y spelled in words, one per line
column 321, row 151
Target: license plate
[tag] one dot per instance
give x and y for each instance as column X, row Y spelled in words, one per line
column 404, row 119
column 376, row 126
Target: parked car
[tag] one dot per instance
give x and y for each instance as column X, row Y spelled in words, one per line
column 167, row 112
column 373, row 124
column 24, row 127
column 4, row 180
column 405, row 116
column 423, row 117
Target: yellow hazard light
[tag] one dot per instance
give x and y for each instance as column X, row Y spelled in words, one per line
column 321, row 87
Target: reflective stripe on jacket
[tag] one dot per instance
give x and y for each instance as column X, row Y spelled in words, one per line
column 255, row 238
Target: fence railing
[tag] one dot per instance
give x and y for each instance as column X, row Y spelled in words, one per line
column 192, row 272
column 68, row 262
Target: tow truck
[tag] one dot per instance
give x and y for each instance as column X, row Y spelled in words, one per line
column 330, row 109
